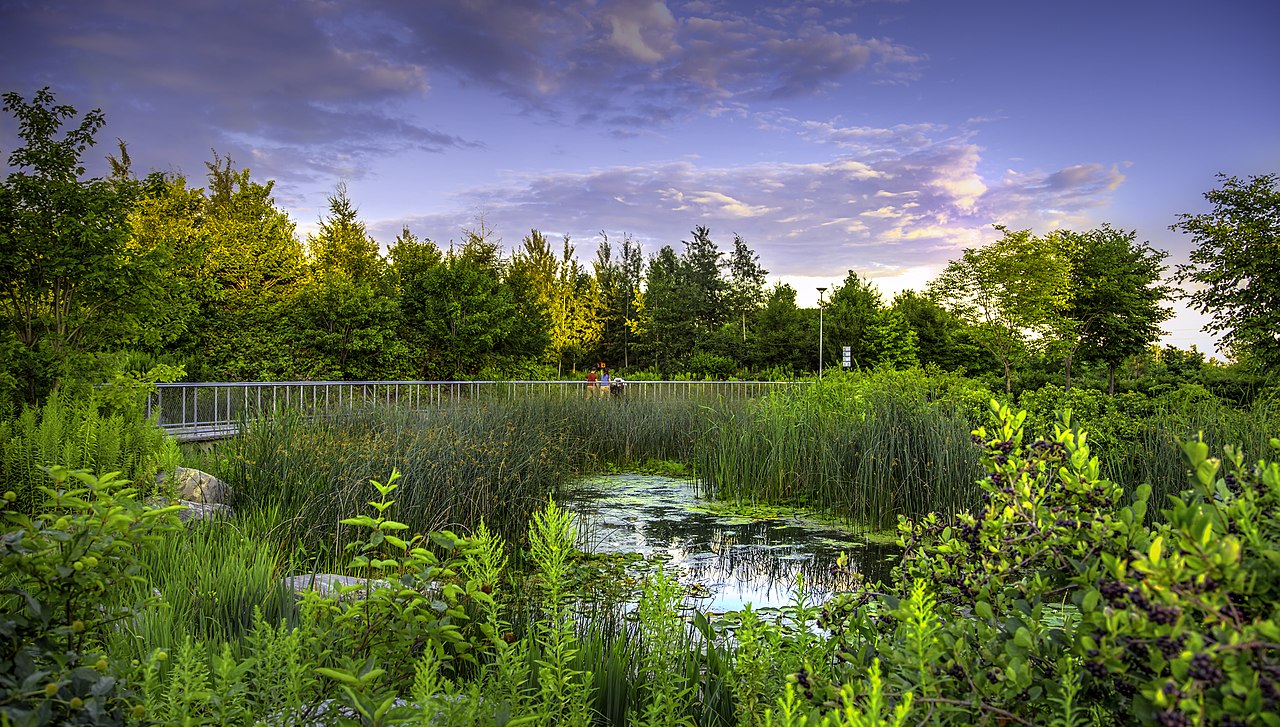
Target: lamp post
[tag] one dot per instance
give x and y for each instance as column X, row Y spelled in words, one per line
column 820, row 292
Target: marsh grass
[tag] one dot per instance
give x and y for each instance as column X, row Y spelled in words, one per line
column 856, row 447
column 464, row 462
column 211, row 577
column 1135, row 437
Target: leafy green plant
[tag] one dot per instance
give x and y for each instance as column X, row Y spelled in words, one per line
column 72, row 432
column 1056, row 602
column 66, row 571
column 563, row 692
column 410, row 601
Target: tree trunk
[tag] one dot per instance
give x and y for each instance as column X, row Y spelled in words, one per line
column 1111, row 379
column 1068, row 369
column 1008, row 378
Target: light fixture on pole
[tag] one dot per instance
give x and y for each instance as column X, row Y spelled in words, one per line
column 820, row 292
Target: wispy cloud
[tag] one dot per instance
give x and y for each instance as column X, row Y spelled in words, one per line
column 910, row 201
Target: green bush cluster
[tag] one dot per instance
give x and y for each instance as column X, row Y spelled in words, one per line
column 1056, row 603
column 67, row 577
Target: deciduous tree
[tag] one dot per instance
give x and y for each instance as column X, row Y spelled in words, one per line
column 745, row 293
column 1235, row 267
column 71, row 282
column 1116, row 303
column 1012, row 292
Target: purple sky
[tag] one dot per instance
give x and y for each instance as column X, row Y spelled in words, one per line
column 882, row 137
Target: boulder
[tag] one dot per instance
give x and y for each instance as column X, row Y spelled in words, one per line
column 201, row 487
column 203, row 511
column 327, row 584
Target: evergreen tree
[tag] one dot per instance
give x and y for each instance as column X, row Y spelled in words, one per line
column 701, row 264
column 347, row 307
column 413, row 262
column 255, row 266
column 745, row 294
column 666, row 329
column 851, row 310
column 783, row 337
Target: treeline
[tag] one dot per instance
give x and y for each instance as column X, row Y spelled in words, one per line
column 154, row 273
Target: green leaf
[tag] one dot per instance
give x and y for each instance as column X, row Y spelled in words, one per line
column 339, row 676
column 983, row 609
column 1022, row 637
column 1091, row 599
column 1153, row 553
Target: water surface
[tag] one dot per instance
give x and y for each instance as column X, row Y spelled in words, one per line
column 734, row 560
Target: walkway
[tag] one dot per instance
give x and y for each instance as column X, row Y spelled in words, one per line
column 196, row 412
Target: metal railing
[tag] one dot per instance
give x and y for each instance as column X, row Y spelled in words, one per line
column 210, row 410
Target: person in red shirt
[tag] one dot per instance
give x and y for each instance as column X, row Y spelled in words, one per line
column 591, row 383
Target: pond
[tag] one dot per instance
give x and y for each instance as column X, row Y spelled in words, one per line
column 731, row 559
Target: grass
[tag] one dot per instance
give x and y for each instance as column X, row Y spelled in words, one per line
column 462, row 463
column 211, row 579
column 866, row 453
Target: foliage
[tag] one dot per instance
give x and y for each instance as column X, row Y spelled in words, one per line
column 665, row 331
column 67, row 570
column 73, row 283
column 942, row 338
column 347, row 310
column 252, row 266
column 1117, row 297
column 1055, row 600
column 1010, row 290
column 72, row 431
column 783, row 335
column 745, row 294
column 1235, row 266
column 855, row 316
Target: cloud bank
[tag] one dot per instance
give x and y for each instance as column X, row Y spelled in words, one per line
column 896, row 199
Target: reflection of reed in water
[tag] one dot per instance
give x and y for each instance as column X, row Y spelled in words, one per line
column 744, row 562
column 769, row 560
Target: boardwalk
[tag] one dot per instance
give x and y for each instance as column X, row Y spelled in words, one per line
column 213, row 410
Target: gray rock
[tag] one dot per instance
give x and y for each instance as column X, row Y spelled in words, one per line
column 327, row 585
column 203, row 511
column 200, row 486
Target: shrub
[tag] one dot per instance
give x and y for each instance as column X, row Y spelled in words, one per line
column 1055, row 602
column 66, row 569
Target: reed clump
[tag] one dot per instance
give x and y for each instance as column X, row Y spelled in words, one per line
column 867, row 447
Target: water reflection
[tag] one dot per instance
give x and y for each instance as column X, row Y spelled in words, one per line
column 737, row 560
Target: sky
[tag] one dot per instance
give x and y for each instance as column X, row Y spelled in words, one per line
column 882, row 137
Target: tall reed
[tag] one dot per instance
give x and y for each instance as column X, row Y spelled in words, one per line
column 211, row 578
column 1136, row 437
column 868, row 449
column 462, row 462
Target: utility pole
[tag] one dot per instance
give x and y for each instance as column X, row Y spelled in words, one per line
column 820, row 292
